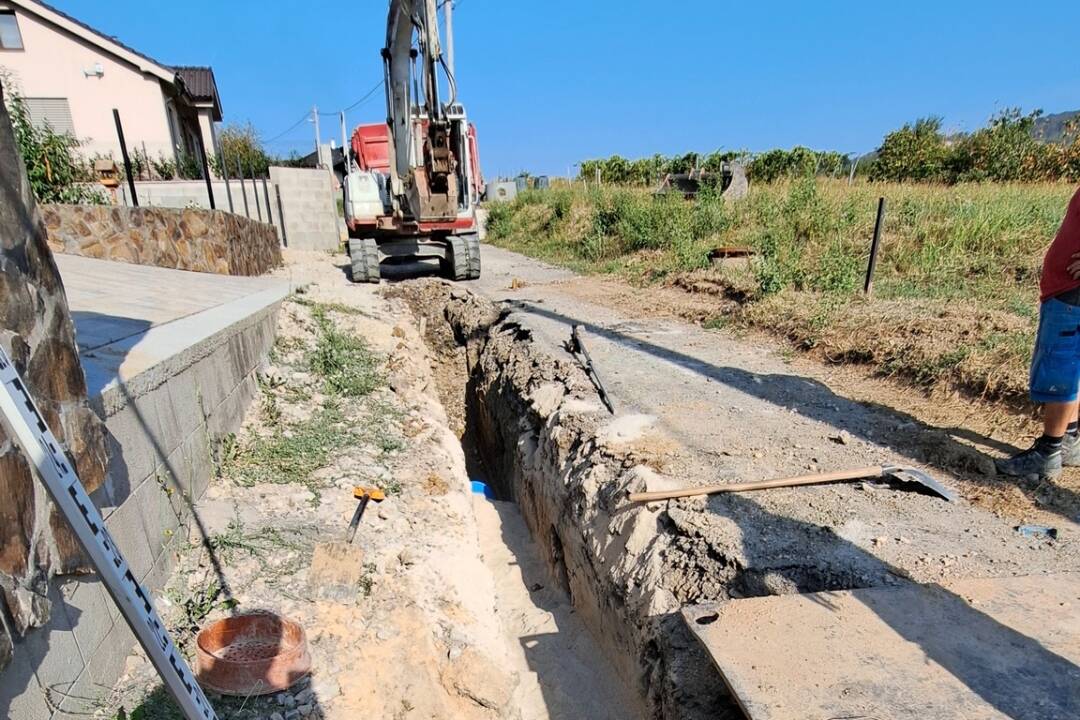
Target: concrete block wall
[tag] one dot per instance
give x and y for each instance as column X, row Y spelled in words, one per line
column 192, row 193
column 162, row 429
column 308, row 203
column 309, row 207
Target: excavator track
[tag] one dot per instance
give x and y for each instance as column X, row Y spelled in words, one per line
column 364, row 256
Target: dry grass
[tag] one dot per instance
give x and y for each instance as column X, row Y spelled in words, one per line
column 955, row 301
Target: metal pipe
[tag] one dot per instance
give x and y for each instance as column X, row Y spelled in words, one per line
column 127, row 160
column 868, row 286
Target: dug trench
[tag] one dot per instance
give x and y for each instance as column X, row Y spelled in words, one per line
column 535, row 432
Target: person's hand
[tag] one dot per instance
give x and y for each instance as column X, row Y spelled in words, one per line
column 1073, row 267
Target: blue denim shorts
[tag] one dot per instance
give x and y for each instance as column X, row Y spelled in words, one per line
column 1055, row 365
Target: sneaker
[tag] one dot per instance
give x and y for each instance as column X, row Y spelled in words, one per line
column 1070, row 450
column 1036, row 461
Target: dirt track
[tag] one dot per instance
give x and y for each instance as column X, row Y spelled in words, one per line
column 753, row 410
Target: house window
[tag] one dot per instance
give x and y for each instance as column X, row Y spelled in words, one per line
column 10, row 37
column 54, row 112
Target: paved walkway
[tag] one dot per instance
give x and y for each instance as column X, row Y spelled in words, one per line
column 129, row 318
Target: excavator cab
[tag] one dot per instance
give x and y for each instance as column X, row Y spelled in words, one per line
column 413, row 182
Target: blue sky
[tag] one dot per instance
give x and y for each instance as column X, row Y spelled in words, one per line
column 552, row 83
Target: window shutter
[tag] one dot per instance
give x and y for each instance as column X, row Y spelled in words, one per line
column 54, row 112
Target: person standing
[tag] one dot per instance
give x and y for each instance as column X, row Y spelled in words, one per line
column 1055, row 365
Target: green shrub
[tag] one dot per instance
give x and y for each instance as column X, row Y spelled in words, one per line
column 241, row 144
column 164, row 168
column 56, row 170
column 499, row 220
column 188, row 166
column 916, row 151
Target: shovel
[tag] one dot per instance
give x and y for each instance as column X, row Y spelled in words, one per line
column 904, row 475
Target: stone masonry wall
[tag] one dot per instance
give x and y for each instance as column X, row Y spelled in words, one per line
column 210, row 241
column 37, row 333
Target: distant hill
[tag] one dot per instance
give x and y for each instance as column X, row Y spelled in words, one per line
column 1051, row 128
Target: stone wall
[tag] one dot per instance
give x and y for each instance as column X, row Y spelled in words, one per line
column 246, row 199
column 37, row 333
column 211, row 241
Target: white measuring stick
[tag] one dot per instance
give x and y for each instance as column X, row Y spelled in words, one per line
column 17, row 408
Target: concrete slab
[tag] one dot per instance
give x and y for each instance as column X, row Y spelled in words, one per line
column 990, row 648
column 130, row 318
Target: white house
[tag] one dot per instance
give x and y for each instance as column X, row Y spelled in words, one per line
column 73, row 76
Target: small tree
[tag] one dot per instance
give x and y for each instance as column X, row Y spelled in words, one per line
column 1004, row 151
column 916, row 151
column 241, row 143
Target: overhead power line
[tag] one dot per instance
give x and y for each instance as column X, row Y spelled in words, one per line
column 289, row 129
column 366, row 95
column 306, row 117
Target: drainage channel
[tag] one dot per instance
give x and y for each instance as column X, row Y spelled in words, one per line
column 560, row 467
column 579, row 582
column 563, row 671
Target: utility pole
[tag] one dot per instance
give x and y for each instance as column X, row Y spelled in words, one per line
column 448, row 14
column 345, row 160
column 344, row 144
column 318, row 137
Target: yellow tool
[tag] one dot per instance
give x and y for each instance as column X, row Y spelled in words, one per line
column 364, row 495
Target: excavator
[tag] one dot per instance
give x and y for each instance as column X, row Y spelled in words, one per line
column 413, row 183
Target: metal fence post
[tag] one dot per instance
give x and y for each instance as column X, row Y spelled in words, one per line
column 206, row 173
column 266, row 196
column 255, row 191
column 281, row 216
column 225, row 177
column 127, row 160
column 243, row 190
column 868, row 286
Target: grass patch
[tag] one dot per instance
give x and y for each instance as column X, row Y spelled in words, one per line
column 344, row 361
column 291, row 453
column 259, row 543
column 337, row 307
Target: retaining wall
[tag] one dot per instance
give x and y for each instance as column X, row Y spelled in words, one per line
column 192, row 193
column 190, row 239
column 162, row 427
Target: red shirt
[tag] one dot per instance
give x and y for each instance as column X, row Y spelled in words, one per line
column 1055, row 277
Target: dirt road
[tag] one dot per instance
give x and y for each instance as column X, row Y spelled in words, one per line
column 748, row 408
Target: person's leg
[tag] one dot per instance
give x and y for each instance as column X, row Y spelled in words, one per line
column 1070, row 447
column 1055, row 376
column 1058, row 416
